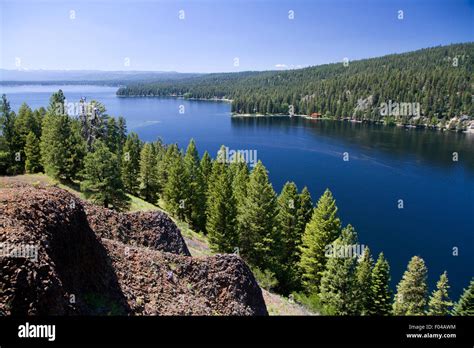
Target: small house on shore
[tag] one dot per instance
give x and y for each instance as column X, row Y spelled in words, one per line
column 315, row 115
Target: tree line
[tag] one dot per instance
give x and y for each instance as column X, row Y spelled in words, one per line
column 283, row 237
column 439, row 79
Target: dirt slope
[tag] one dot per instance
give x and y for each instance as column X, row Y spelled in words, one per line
column 109, row 263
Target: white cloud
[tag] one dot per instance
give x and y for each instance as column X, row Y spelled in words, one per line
column 281, row 66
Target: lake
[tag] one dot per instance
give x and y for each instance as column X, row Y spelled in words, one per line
column 385, row 164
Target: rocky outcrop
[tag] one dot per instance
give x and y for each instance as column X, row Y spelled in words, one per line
column 152, row 229
column 61, row 256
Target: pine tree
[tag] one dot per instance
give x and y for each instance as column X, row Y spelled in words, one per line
column 62, row 148
column 176, row 187
column 364, row 281
column 11, row 155
column 195, row 212
column 102, row 182
column 4, row 156
column 171, row 154
column 411, row 297
column 160, row 152
column 258, row 218
column 221, row 211
column 304, row 214
column 112, row 139
column 206, row 166
column 97, row 120
column 131, row 163
column 380, row 294
column 465, row 305
column 33, row 154
column 148, row 178
column 323, row 229
column 77, row 151
column 287, row 237
column 338, row 288
column 439, row 303
column 26, row 122
column 305, row 210
column 240, row 187
column 121, row 135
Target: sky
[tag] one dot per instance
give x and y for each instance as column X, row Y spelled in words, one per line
column 217, row 35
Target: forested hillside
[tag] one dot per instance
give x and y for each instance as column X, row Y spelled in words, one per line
column 440, row 79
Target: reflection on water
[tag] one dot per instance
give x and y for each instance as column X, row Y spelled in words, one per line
column 430, row 146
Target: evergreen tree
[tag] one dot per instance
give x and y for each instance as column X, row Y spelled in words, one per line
column 380, row 294
column 54, row 137
column 411, row 297
column 112, row 139
column 221, row 211
column 33, row 154
column 131, row 163
column 4, row 156
column 62, row 147
column 258, row 219
column 176, row 187
column 287, row 238
column 338, row 288
column 170, row 157
column 57, row 103
column 206, row 167
column 160, row 153
column 26, row 122
column 305, row 209
column 97, row 121
column 11, row 155
column 77, row 151
column 102, row 182
column 323, row 229
column 121, row 134
column 439, row 303
column 195, row 212
column 364, row 281
column 465, row 305
column 240, row 186
column 148, row 177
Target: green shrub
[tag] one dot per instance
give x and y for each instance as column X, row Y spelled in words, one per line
column 265, row 279
column 311, row 302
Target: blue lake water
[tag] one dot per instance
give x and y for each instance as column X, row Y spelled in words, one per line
column 385, row 164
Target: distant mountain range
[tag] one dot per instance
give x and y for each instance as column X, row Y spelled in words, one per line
column 82, row 76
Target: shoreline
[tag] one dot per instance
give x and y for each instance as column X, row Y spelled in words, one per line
column 381, row 123
column 466, row 130
column 225, row 100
